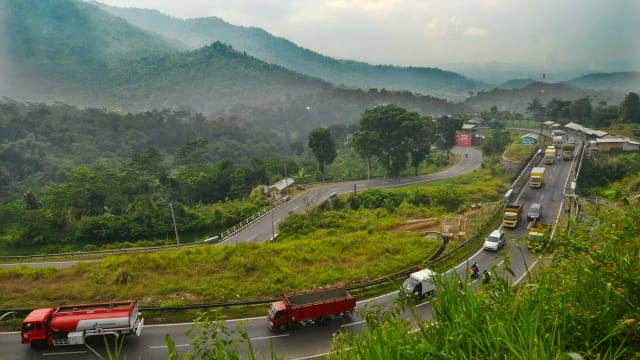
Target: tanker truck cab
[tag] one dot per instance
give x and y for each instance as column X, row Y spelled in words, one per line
column 34, row 327
column 420, row 283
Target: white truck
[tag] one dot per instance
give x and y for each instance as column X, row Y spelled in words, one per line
column 420, row 283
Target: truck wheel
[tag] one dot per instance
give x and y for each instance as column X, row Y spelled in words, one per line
column 283, row 327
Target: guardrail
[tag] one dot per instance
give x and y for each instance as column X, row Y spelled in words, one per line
column 225, row 235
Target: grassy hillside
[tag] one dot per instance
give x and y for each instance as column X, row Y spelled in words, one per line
column 194, row 33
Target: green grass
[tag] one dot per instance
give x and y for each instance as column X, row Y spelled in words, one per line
column 519, row 152
column 355, row 249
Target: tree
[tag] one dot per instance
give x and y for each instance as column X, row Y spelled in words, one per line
column 536, row 109
column 192, row 153
column 30, row 201
column 558, row 109
column 630, row 108
column 581, row 110
column 383, row 135
column 496, row 142
column 446, row 129
column 421, row 134
column 323, row 147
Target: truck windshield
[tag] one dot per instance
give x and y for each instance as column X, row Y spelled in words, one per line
column 31, row 326
column 410, row 284
column 510, row 216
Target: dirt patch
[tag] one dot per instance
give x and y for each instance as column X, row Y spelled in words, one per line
column 419, row 225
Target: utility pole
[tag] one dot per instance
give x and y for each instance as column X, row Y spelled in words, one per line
column 273, row 229
column 175, row 227
column 369, row 172
column 286, row 179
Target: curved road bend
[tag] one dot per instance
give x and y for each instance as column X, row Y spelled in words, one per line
column 307, row 342
column 262, row 229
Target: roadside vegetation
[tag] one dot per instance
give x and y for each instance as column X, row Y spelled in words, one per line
column 580, row 303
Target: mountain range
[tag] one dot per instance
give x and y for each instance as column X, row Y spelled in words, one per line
column 198, row 32
column 90, row 54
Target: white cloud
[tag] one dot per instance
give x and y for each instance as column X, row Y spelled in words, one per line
column 475, row 32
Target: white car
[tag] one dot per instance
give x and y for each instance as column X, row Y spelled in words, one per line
column 494, row 241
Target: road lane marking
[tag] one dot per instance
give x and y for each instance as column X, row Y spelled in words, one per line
column 323, row 355
column 526, row 272
column 165, row 346
column 352, row 324
column 253, row 237
column 64, row 353
column 269, row 337
column 377, row 297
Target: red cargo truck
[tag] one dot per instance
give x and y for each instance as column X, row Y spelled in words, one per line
column 73, row 324
column 315, row 305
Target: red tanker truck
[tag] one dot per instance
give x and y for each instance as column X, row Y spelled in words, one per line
column 315, row 305
column 73, row 324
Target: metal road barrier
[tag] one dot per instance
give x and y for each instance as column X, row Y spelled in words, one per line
column 251, row 220
column 225, row 235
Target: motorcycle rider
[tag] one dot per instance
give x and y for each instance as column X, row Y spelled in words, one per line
column 475, row 270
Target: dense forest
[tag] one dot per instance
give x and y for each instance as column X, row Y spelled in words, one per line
column 40, row 143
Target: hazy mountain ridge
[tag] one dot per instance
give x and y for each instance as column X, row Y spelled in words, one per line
column 516, row 100
column 70, row 51
column 198, row 32
column 617, row 81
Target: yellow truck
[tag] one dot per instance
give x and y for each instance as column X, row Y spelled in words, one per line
column 536, row 178
column 550, row 155
column 511, row 215
column 538, row 236
column 557, row 141
column 567, row 151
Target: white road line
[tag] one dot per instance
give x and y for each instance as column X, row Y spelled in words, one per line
column 352, row 324
column 323, row 355
column 64, row 353
column 377, row 297
column 269, row 337
column 253, row 237
column 526, row 272
column 9, row 332
column 165, row 346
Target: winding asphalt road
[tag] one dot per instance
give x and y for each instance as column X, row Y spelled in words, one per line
column 313, row 341
column 262, row 230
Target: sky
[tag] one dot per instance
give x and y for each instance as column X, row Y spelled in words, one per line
column 592, row 34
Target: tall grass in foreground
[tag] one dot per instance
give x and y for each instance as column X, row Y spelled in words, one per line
column 583, row 304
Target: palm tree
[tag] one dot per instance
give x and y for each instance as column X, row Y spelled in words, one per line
column 535, row 108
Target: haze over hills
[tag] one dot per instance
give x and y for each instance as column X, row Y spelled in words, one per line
column 617, row 81
column 517, row 99
column 73, row 52
column 194, row 33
